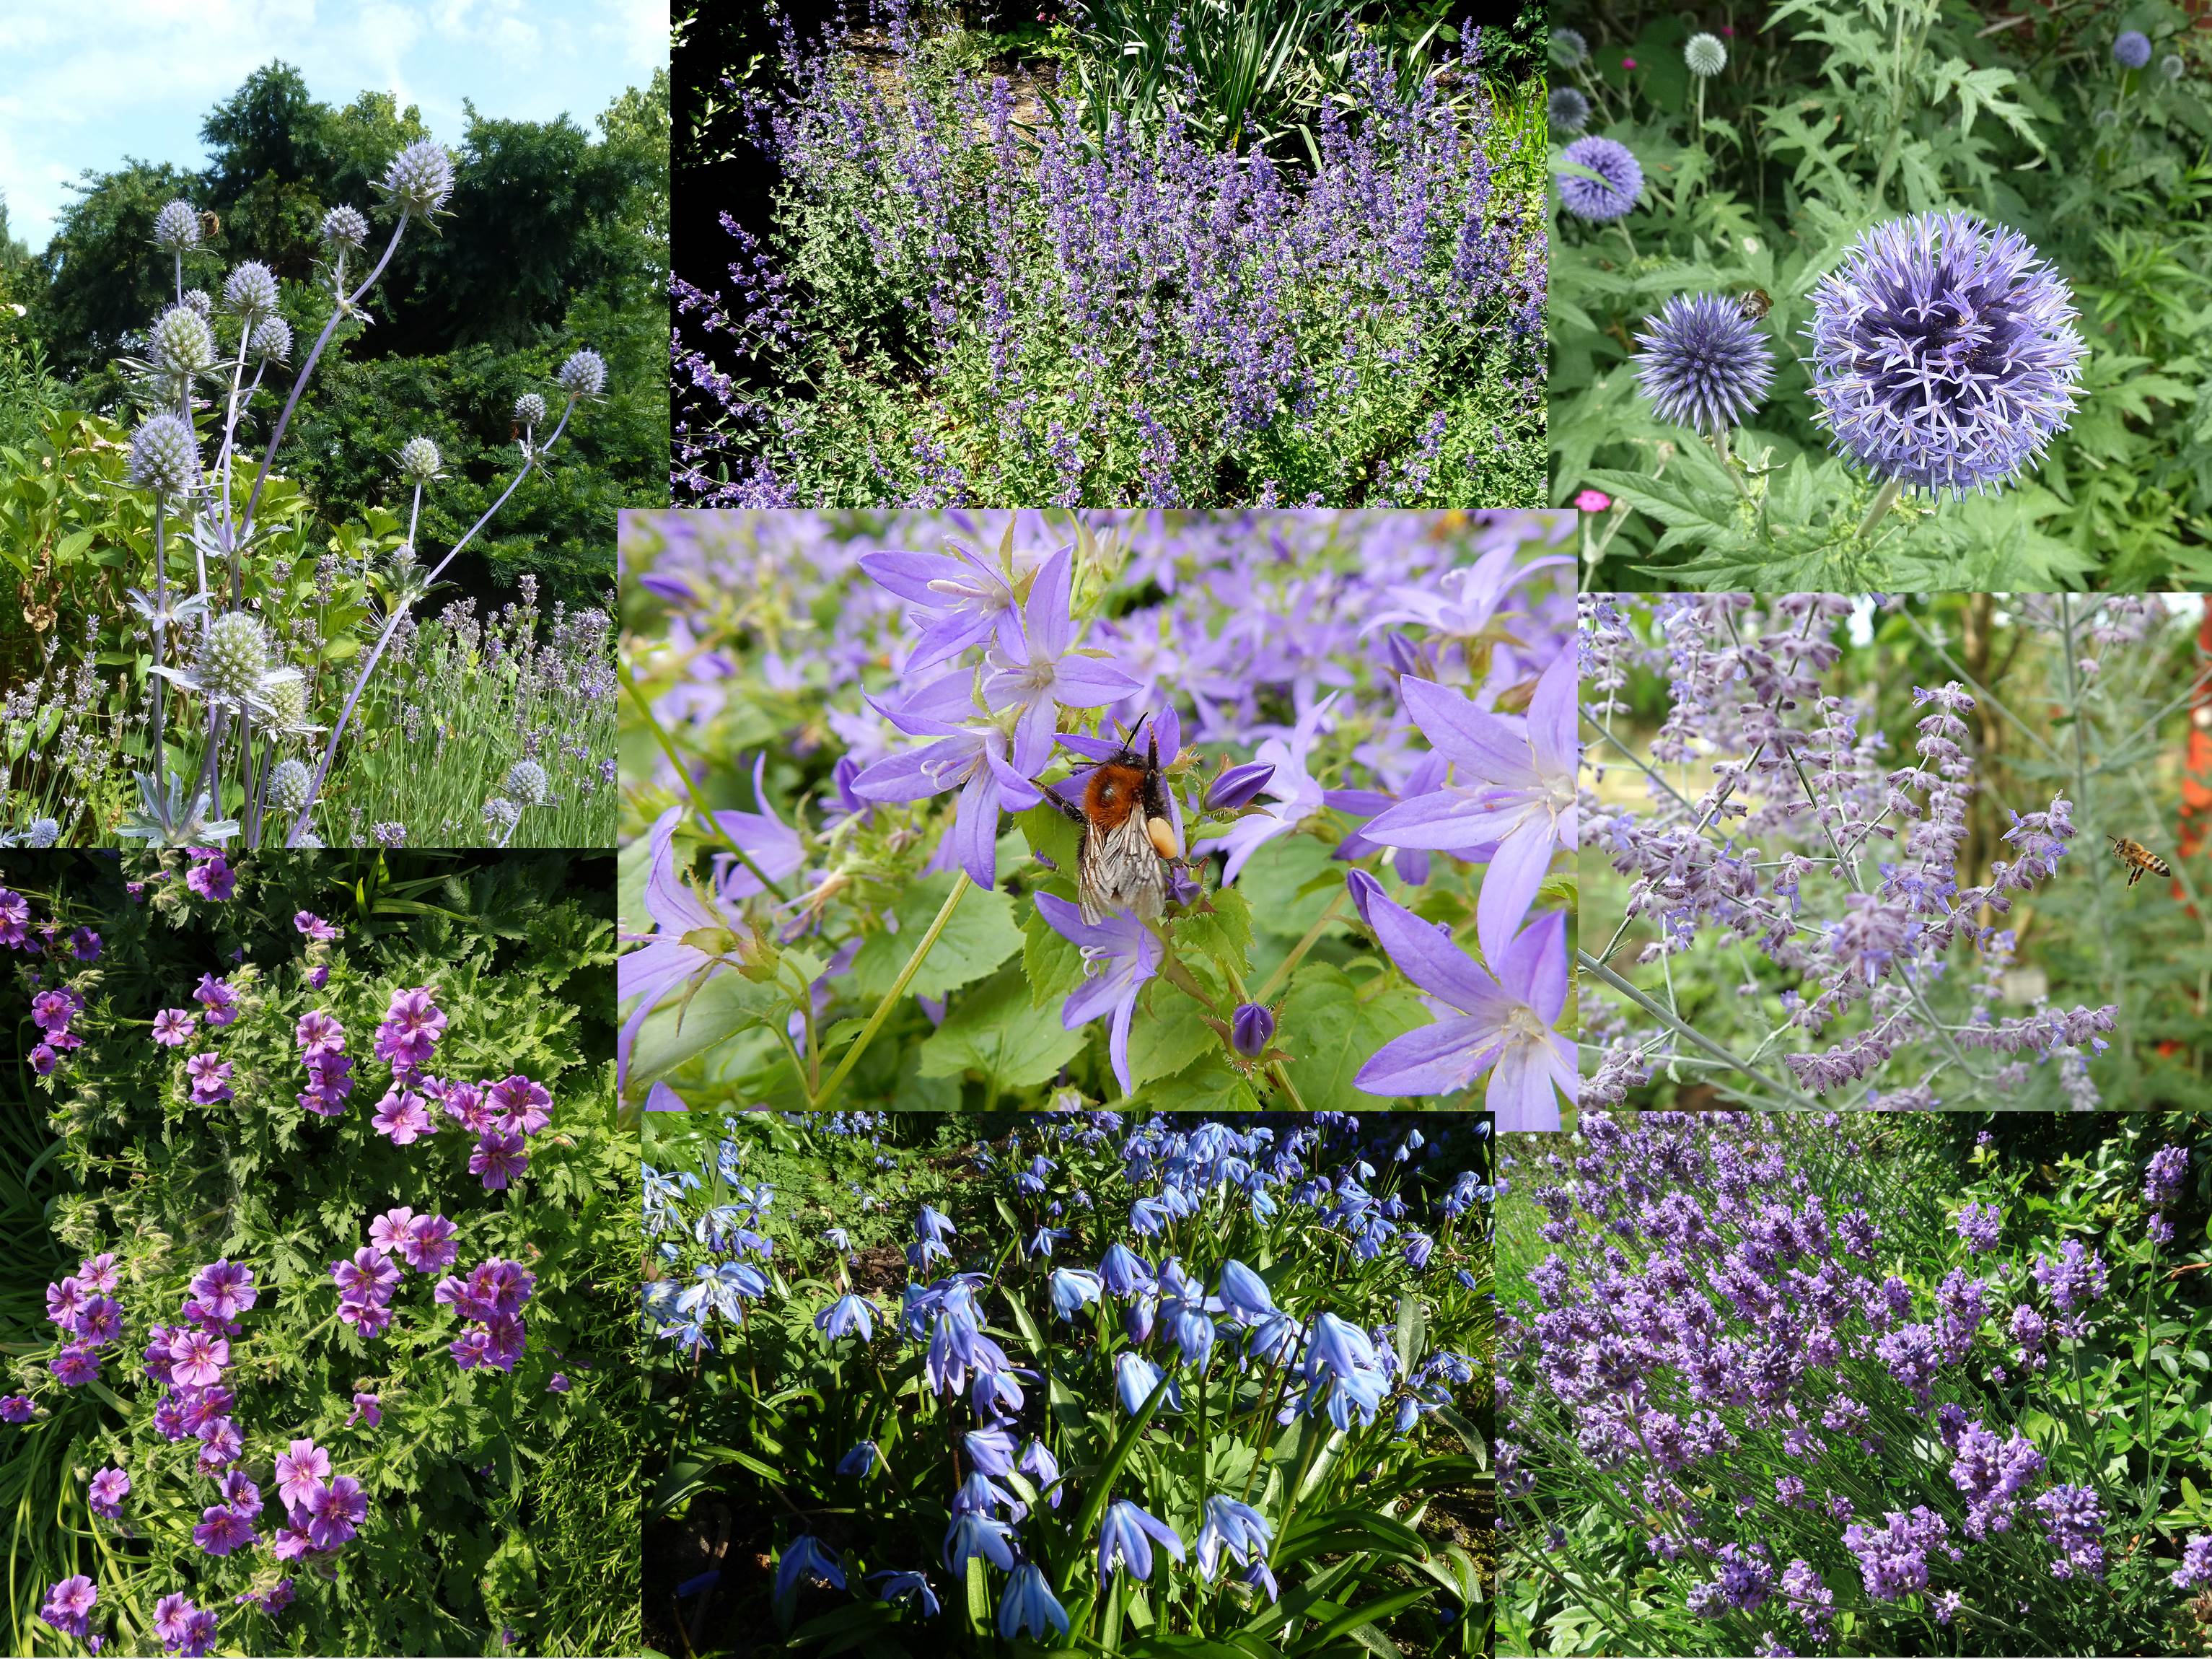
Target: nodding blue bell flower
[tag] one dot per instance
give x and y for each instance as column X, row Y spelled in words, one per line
column 1243, row 1292
column 1251, row 1028
column 841, row 1317
column 862, row 1458
column 1192, row 1330
column 1071, row 1288
column 1029, row 1605
column 806, row 1556
column 1235, row 1526
column 1122, row 1540
column 1418, row 1246
column 1125, row 1272
column 1038, row 1462
column 991, row 1450
column 1134, row 1379
column 906, row 1584
column 973, row 1534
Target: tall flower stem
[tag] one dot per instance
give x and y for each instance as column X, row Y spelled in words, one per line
column 922, row 950
column 1884, row 499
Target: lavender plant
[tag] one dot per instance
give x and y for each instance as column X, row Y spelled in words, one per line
column 1364, row 736
column 1974, row 386
column 952, row 306
column 225, row 701
column 1786, row 1384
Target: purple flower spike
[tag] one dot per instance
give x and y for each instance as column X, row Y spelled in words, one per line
column 1704, row 364
column 1944, row 353
column 1613, row 194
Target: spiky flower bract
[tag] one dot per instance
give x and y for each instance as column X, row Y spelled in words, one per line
column 1568, row 49
column 1704, row 364
column 251, row 290
column 2132, row 48
column 1944, row 352
column 177, row 229
column 165, row 455
column 584, row 374
column 1613, row 193
column 420, row 177
column 527, row 783
column 344, row 226
column 530, row 410
column 200, row 300
column 1705, row 55
column 288, row 785
column 271, row 338
column 1569, row 110
column 418, row 460
column 184, row 345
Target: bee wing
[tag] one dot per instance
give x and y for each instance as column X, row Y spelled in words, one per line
column 1118, row 870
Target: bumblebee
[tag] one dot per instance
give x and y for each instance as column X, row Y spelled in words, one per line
column 2138, row 858
column 1755, row 304
column 210, row 225
column 1128, row 836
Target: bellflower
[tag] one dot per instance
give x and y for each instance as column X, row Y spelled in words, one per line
column 1028, row 1604
column 1119, row 955
column 959, row 601
column 1039, row 674
column 1233, row 1526
column 1071, row 1288
column 841, row 1316
column 690, row 940
column 1122, row 1540
column 806, row 1557
column 900, row 1585
column 968, row 757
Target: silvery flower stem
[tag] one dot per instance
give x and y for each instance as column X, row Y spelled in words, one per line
column 345, row 304
column 391, row 623
column 222, row 462
column 1884, row 499
column 1606, row 975
column 161, row 765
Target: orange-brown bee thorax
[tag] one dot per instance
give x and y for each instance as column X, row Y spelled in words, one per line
column 1113, row 793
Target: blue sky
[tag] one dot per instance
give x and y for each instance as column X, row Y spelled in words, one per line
column 88, row 83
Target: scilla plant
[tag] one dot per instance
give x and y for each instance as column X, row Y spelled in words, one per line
column 1143, row 1386
column 239, row 705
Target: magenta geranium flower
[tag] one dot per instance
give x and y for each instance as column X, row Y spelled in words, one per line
column 222, row 1530
column 402, row 1115
column 212, row 878
column 329, row 1082
column 220, row 1445
column 52, row 1010
column 1503, row 1025
column 316, row 929
column 241, row 1494
column 65, row 1302
column 371, row 1319
column 209, row 1077
column 109, row 1487
column 225, row 1288
column 197, row 1359
column 317, row 1034
column 74, row 1365
column 429, row 1246
column 300, row 1473
column 520, row 1107
column 69, row 1606
column 412, row 1025
column 102, row 1322
column 369, row 1277
column 464, row 1103
column 367, row 1408
column 1513, row 786
column 334, row 1511
column 218, row 998
column 98, row 1271
column 16, row 1408
column 173, row 1027
column 499, row 1160
column 388, row 1232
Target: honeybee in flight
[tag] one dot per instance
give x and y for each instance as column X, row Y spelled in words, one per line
column 1755, row 304
column 1128, row 838
column 2138, row 858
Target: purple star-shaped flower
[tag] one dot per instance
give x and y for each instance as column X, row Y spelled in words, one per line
column 1039, row 675
column 967, row 758
column 1516, row 786
column 1120, row 953
column 769, row 842
column 1501, row 1026
column 959, row 601
column 1298, row 796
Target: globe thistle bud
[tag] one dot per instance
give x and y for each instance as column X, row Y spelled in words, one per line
column 200, row 300
column 501, row 815
column 1705, row 56
column 2171, row 67
column 1568, row 49
column 251, row 290
column 583, row 374
column 344, row 226
column 44, row 832
column 1613, row 193
column 272, row 339
column 183, row 343
column 165, row 455
column 1704, row 364
column 288, row 702
column 288, row 785
column 2132, row 48
column 530, row 410
column 418, row 460
column 177, row 229
column 527, row 783
column 1569, row 111
column 233, row 655
column 420, row 177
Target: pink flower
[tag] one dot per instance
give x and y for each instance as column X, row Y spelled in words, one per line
column 1628, row 62
column 519, row 1106
column 367, row 1408
column 210, row 1074
column 317, row 1034
column 300, row 1473
column 429, row 1246
column 101, row 1322
column 556, row 1383
column 69, row 1606
column 109, row 1488
column 212, row 878
column 225, row 1288
column 98, row 1271
column 1593, row 500
column 172, row 1027
column 371, row 1319
column 220, row 1446
column 402, row 1115
column 65, row 1302
column 291, row 1542
column 222, row 1530
column 412, row 1024
column 498, row 1159
column 388, row 1232
column 219, row 999
column 369, row 1277
column 335, row 1511
column 241, row 1494
column 197, row 1359
column 316, row 929
column 44, row 1060
column 464, row 1103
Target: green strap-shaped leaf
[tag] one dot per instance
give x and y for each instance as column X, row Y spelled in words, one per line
column 1094, row 1506
column 1367, row 1612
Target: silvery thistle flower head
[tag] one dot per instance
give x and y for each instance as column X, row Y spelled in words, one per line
column 584, row 374
column 199, row 300
column 2171, row 67
column 2132, row 48
column 420, row 177
column 165, row 455
column 272, row 339
column 1944, row 352
column 344, row 226
column 1613, row 193
column 1704, row 364
column 184, row 345
column 418, row 460
column 501, row 815
column 43, row 833
column 530, row 410
column 1569, row 110
column 527, row 783
column 251, row 290
column 1568, row 47
column 177, row 229
column 1705, row 55
column 288, row 785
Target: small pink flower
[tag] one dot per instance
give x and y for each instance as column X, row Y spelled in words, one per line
column 222, row 1530
column 98, row 1271
column 217, row 998
column 172, row 1027
column 1628, row 62
column 109, row 1488
column 1593, row 500
column 367, row 1408
column 369, row 1277
column 429, row 1246
column 519, row 1106
column 498, row 1159
column 317, row 1034
column 316, row 929
column 388, row 1232
column 300, row 1473
column 197, row 1359
column 1728, row 28
column 402, row 1115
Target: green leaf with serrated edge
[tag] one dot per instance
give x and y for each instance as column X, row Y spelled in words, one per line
column 1225, row 932
column 725, row 1006
column 980, row 936
column 1167, row 1035
column 1330, row 1034
column 993, row 1030
column 1212, row 1084
column 1051, row 833
column 1050, row 962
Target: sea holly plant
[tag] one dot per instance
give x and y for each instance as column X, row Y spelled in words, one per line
column 1142, row 1381
column 1365, row 791
column 224, row 696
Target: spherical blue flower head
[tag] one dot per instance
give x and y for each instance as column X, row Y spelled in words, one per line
column 1944, row 352
column 1569, row 110
column 1568, row 47
column 2132, row 50
column 1702, row 364
column 1613, row 194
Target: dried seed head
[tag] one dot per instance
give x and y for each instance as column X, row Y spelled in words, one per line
column 1569, row 110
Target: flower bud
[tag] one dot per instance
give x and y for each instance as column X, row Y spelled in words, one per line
column 1251, row 1028
column 583, row 374
column 177, row 229
column 271, row 338
column 233, row 655
column 288, row 785
column 251, row 290
column 526, row 781
column 530, row 410
column 420, row 177
column 165, row 455
column 344, row 226
column 287, row 702
column 1240, row 785
column 1363, row 888
column 183, row 343
column 418, row 460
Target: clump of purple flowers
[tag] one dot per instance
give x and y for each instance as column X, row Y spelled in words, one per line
column 491, row 1299
column 89, row 1319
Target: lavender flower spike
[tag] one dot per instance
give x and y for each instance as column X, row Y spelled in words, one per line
column 1944, row 353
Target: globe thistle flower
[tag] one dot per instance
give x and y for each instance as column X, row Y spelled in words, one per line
column 420, row 177
column 2132, row 48
column 165, row 455
column 527, row 783
column 287, row 707
column 1704, row 364
column 177, row 229
column 1705, row 55
column 199, row 300
column 345, row 227
column 251, row 290
column 1613, row 194
column 272, row 339
column 44, row 832
column 584, row 374
column 1944, row 353
column 418, row 460
column 501, row 815
column 233, row 655
column 1569, row 110
column 184, row 345
column 288, row 785
column 1568, row 49
column 530, row 410
column 2171, row 67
